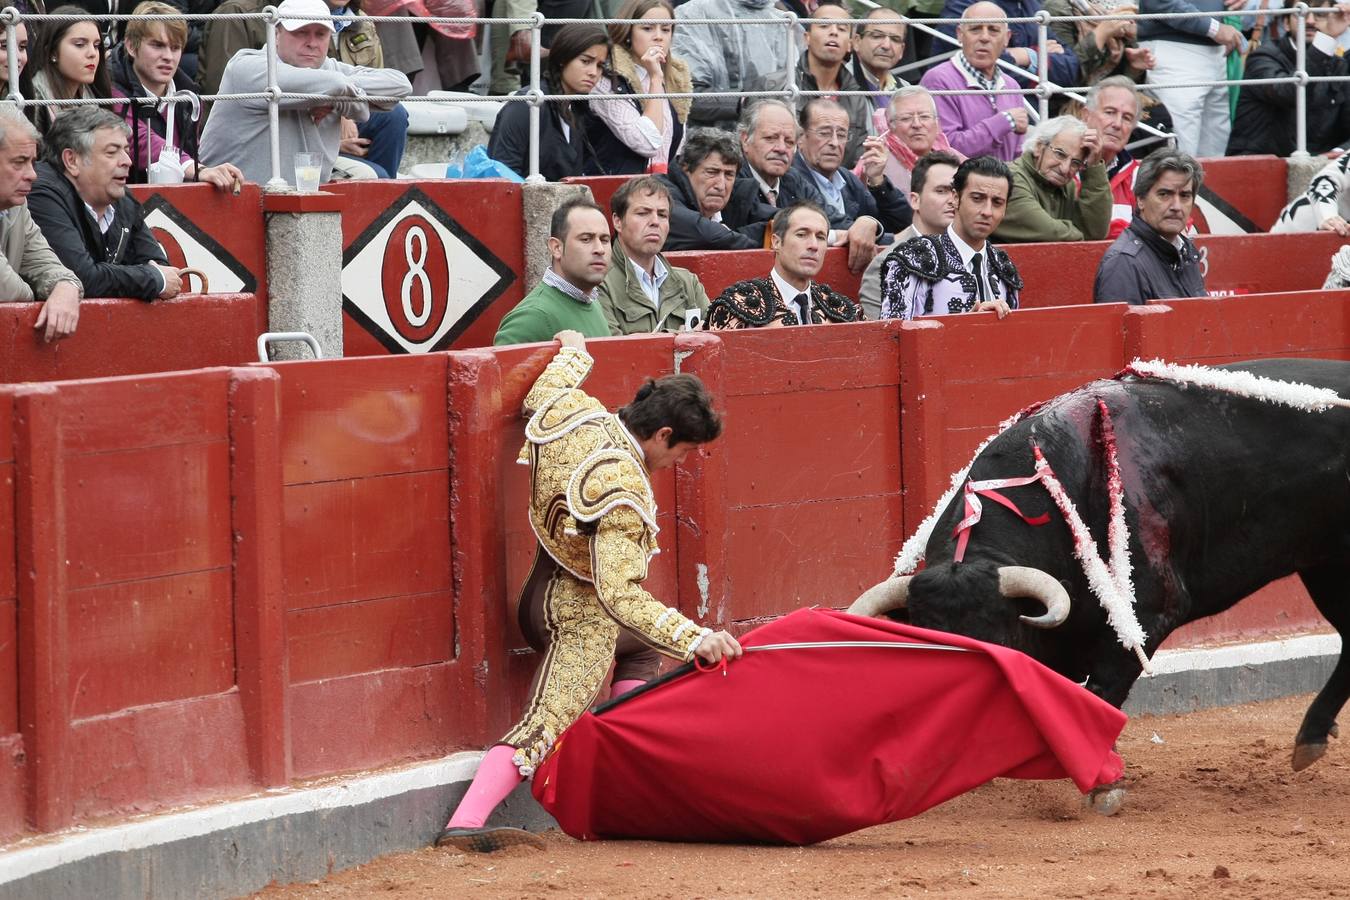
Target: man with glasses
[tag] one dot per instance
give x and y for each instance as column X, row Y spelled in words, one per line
column 861, row 213
column 878, row 46
column 1060, row 189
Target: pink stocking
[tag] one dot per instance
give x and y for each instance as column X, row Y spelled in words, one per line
column 619, row 688
column 496, row 777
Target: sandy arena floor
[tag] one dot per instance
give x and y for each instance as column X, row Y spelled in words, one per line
column 1213, row 810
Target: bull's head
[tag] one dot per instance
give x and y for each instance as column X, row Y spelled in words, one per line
column 975, row 599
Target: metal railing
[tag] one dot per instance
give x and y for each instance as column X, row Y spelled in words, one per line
column 1043, row 90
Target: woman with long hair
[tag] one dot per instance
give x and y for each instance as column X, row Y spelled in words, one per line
column 630, row 134
column 575, row 63
column 22, row 41
column 67, row 61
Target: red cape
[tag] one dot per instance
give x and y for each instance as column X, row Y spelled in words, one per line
column 799, row 745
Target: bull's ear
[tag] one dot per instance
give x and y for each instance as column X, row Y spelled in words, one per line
column 891, row 594
column 1035, row 584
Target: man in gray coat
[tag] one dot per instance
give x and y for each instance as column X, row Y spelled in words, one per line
column 1152, row 259
column 29, row 269
column 237, row 129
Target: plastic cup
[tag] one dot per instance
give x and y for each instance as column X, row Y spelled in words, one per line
column 307, row 172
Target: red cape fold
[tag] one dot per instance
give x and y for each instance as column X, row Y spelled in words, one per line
column 799, row 745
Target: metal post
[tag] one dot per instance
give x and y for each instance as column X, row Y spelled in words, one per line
column 11, row 19
column 1042, row 64
column 536, row 95
column 276, row 182
column 793, row 91
column 1301, row 83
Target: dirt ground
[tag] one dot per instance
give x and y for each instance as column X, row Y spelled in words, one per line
column 1213, row 810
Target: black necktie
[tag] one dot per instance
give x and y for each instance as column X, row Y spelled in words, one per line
column 976, row 263
column 803, row 303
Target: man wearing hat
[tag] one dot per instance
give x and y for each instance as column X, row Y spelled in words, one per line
column 237, row 129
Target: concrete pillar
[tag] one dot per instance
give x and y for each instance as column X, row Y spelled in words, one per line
column 538, row 203
column 304, row 288
column 1300, row 173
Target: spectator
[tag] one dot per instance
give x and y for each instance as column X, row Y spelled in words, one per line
column 80, row 202
column 821, row 68
column 1265, row 121
column 788, row 296
column 1112, row 110
column 67, row 62
column 727, row 57
column 768, row 131
column 574, row 66
column 144, row 67
column 909, row 127
column 629, row 135
column 643, row 292
column 710, row 207
column 860, row 212
column 237, row 130
column 1153, row 259
column 976, row 125
column 22, row 41
column 1022, row 38
column 1325, row 206
column 878, row 45
column 29, row 270
column 1104, row 49
column 1060, row 190
column 566, row 297
column 223, row 38
column 379, row 141
column 958, row 270
column 1192, row 51
column 934, row 201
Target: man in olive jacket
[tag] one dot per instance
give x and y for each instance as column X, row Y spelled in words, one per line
column 1047, row 203
column 642, row 292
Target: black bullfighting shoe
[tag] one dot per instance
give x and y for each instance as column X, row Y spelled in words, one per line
column 488, row 840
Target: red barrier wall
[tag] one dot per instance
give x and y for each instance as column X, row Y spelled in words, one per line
column 130, row 337
column 428, row 265
column 12, row 772
column 1243, row 193
column 718, row 269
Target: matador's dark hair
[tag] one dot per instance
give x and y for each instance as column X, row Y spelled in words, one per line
column 678, row 401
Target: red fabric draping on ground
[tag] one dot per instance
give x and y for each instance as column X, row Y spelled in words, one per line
column 797, row 746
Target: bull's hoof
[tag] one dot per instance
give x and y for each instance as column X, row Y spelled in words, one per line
column 1307, row 754
column 1105, row 801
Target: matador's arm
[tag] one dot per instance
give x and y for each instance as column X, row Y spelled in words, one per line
column 566, row 372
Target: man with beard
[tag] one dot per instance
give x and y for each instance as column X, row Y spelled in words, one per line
column 1112, row 110
column 1153, row 259
column 1047, row 202
column 959, row 270
column 710, row 207
column 565, row 298
column 642, row 292
column 788, row 296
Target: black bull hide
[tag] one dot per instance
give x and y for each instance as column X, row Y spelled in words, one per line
column 1223, row 495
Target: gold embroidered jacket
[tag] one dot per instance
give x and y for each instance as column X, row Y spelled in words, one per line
column 591, row 502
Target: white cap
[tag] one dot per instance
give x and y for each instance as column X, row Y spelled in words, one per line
column 303, row 8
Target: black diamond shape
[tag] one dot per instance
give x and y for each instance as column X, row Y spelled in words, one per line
column 159, row 201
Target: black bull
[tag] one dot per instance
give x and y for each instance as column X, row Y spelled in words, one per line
column 1223, row 495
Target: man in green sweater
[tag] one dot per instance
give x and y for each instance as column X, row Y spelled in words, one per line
column 1047, row 202
column 565, row 299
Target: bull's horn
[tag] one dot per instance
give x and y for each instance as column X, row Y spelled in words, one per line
column 1024, row 581
column 893, row 593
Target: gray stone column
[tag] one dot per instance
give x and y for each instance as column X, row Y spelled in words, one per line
column 538, row 204
column 1300, row 173
column 304, row 290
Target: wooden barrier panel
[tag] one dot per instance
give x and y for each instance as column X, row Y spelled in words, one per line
column 718, row 269
column 12, row 774
column 1242, row 194
column 1231, row 329
column 131, row 337
column 602, row 186
column 429, row 265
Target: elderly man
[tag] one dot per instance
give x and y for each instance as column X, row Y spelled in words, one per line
column 1060, row 191
column 1192, row 51
column 979, row 124
column 80, row 202
column 1112, row 110
column 237, row 131
column 1063, row 62
column 933, row 198
column 566, row 297
column 727, row 57
column 710, row 207
column 788, row 296
column 878, row 45
column 29, row 270
column 958, row 270
column 642, row 292
column 912, row 131
column 1153, row 259
column 768, row 131
column 821, row 68
column 860, row 211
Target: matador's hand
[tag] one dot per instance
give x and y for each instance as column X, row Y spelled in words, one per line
column 717, row 646
column 574, row 339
